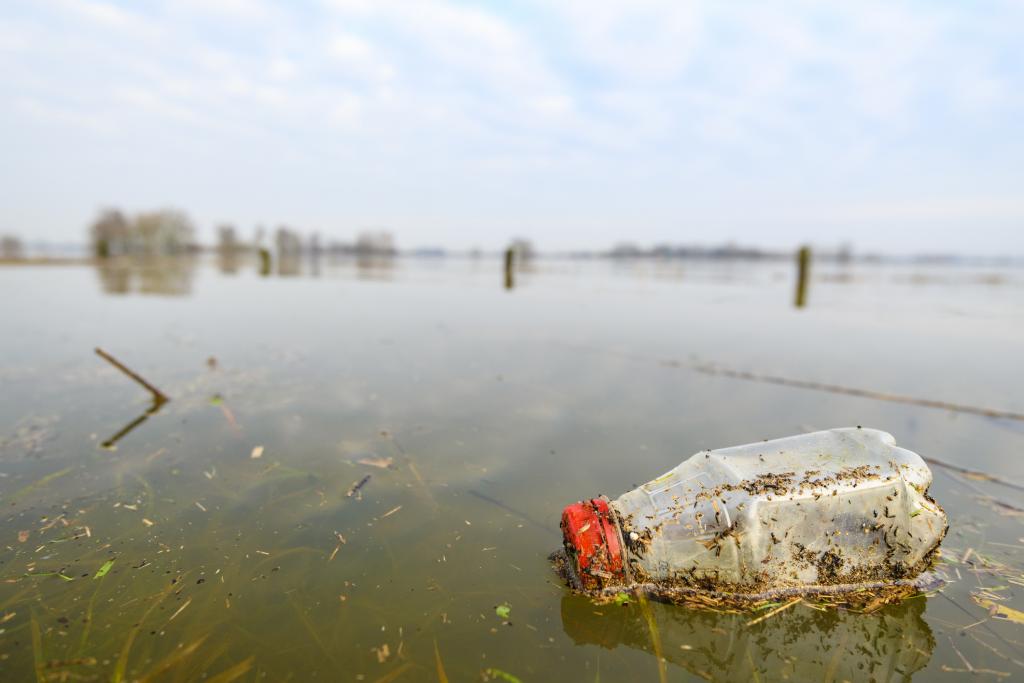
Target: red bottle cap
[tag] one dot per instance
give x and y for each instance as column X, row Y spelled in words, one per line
column 592, row 542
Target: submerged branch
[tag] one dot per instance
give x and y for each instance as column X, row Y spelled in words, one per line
column 850, row 391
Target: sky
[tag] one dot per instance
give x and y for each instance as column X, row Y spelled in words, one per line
column 578, row 124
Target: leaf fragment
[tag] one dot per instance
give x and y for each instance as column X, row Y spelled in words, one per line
column 102, row 571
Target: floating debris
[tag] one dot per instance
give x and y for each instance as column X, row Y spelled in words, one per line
column 498, row 674
column 999, row 611
column 842, row 508
column 341, row 542
column 104, row 568
column 382, row 463
column 356, row 488
column 383, row 653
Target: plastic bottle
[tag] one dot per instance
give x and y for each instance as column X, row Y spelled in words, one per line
column 837, row 507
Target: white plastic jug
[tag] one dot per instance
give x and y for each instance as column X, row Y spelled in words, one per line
column 842, row 506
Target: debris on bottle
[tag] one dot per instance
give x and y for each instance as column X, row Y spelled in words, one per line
column 832, row 513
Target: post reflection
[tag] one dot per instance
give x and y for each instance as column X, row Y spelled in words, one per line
column 799, row 644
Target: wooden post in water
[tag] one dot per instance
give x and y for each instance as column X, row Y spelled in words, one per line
column 510, row 260
column 264, row 261
column 803, row 265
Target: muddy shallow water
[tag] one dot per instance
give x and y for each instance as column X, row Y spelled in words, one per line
column 141, row 545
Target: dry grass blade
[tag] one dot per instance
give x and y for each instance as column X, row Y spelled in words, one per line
column 39, row 483
column 172, row 659
column 976, row 672
column 311, row 629
column 652, row 626
column 122, row 660
column 392, row 675
column 442, row 677
column 37, row 649
column 772, row 613
column 180, row 609
column 237, row 671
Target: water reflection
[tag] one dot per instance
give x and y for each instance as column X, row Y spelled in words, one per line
column 375, row 266
column 289, row 263
column 229, row 261
column 169, row 276
column 799, row 644
column 111, row 443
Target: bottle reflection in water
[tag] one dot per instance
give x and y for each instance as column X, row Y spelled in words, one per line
column 798, row 644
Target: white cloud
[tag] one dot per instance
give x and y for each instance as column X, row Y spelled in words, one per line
column 347, row 109
column 586, row 108
column 358, row 57
column 641, row 40
column 104, row 14
column 349, row 48
column 281, row 69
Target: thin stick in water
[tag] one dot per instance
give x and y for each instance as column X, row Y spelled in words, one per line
column 158, row 396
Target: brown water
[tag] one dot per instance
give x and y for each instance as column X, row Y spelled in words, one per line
column 495, row 408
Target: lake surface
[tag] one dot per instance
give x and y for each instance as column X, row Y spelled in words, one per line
column 151, row 545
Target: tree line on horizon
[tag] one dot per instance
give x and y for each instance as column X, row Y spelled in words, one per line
column 171, row 232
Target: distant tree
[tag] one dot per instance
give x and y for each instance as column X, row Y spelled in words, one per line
column 375, row 242
column 845, row 253
column 110, row 234
column 288, row 242
column 229, row 249
column 227, row 239
column 523, row 249
column 11, row 248
column 625, row 250
column 167, row 231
